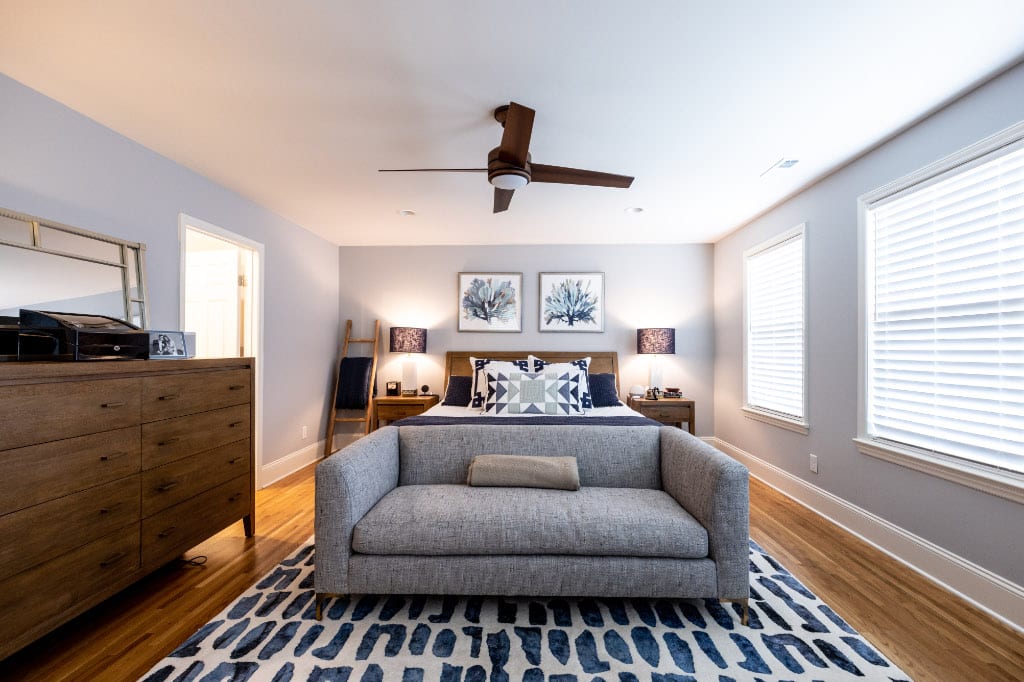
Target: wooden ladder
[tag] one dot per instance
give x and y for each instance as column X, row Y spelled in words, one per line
column 333, row 420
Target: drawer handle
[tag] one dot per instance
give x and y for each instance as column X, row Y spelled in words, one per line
column 112, row 559
column 236, row 460
column 108, row 509
column 235, row 497
column 167, row 532
column 237, row 423
column 171, row 396
column 236, row 387
column 169, row 441
column 119, row 403
column 113, row 455
column 167, row 486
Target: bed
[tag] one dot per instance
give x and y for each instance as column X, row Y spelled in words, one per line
column 457, row 363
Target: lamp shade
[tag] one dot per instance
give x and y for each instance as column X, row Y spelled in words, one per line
column 656, row 340
column 408, row 340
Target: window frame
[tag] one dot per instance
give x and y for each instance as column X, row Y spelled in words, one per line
column 991, row 479
column 801, row 424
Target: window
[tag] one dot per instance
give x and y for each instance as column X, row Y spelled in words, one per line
column 943, row 318
column 774, row 338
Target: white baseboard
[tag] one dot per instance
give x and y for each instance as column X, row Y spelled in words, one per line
column 292, row 462
column 991, row 593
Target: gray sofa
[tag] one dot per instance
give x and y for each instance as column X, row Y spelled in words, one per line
column 659, row 514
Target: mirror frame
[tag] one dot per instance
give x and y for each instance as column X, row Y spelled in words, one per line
column 132, row 258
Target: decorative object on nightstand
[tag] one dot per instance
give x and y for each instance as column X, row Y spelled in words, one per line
column 673, row 411
column 393, row 388
column 388, row 408
column 408, row 340
column 424, row 390
column 656, row 341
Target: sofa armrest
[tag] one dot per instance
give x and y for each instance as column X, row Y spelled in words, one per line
column 348, row 484
column 714, row 488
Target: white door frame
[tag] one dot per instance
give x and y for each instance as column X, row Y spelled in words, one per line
column 186, row 221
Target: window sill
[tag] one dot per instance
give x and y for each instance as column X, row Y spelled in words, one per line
column 788, row 423
column 999, row 482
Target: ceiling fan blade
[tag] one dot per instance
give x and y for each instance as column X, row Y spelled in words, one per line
column 575, row 176
column 431, row 170
column 502, row 198
column 515, row 141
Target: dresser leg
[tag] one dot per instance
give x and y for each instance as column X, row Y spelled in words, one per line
column 249, row 524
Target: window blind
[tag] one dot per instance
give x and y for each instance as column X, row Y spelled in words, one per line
column 945, row 314
column 775, row 328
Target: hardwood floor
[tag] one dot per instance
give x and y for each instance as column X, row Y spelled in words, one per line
column 927, row 632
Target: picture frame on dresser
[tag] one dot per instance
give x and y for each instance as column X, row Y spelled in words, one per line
column 571, row 302
column 167, row 345
column 490, row 302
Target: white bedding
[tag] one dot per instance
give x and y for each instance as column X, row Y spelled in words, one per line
column 455, row 411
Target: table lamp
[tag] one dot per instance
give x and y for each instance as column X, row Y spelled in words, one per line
column 656, row 341
column 408, row 340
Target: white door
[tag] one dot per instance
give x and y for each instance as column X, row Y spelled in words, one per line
column 221, row 300
column 213, row 308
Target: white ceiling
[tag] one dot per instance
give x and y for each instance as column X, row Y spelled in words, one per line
column 296, row 104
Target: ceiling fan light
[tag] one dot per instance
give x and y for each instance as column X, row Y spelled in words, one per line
column 511, row 181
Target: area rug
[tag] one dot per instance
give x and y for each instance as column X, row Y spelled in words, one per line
column 271, row 633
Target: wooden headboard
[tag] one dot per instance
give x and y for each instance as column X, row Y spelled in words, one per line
column 456, row 362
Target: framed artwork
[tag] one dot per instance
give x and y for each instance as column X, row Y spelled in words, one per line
column 490, row 302
column 571, row 302
column 167, row 345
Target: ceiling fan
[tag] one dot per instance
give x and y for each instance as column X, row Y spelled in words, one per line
column 509, row 167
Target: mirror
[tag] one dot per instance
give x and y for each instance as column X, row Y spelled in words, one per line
column 48, row 266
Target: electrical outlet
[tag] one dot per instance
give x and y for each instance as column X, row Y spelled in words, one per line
column 814, row 463
column 305, row 432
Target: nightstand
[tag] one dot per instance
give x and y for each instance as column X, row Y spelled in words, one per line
column 666, row 410
column 392, row 407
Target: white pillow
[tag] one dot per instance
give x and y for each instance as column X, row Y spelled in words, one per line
column 550, row 392
column 478, row 392
column 583, row 364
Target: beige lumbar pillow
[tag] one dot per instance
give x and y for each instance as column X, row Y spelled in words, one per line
column 523, row 471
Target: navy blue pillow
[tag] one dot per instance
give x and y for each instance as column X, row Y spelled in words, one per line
column 460, row 391
column 602, row 390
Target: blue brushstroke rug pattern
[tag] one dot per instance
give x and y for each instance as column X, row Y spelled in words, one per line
column 271, row 633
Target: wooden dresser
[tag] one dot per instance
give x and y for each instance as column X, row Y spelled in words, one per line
column 109, row 470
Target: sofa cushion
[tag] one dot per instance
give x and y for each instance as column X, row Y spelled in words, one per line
column 608, row 457
column 461, row 520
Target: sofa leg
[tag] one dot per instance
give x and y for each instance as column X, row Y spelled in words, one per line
column 322, row 597
column 746, row 609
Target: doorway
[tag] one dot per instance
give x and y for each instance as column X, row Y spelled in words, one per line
column 221, row 300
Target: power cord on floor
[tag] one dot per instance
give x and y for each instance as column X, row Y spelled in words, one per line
column 197, row 560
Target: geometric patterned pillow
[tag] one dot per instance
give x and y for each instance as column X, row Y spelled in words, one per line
column 518, row 393
column 480, row 366
column 583, row 364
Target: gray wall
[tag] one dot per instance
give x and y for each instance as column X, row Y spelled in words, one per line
column 645, row 286
column 63, row 166
column 982, row 528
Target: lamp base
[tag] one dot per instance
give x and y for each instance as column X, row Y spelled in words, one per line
column 409, row 376
column 656, row 378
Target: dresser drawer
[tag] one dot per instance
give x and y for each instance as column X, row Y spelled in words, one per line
column 185, row 525
column 40, row 533
column 38, row 473
column 177, row 394
column 173, row 439
column 51, row 588
column 40, row 413
column 177, row 481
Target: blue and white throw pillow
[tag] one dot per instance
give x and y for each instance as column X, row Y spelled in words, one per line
column 583, row 364
column 554, row 393
column 480, row 367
